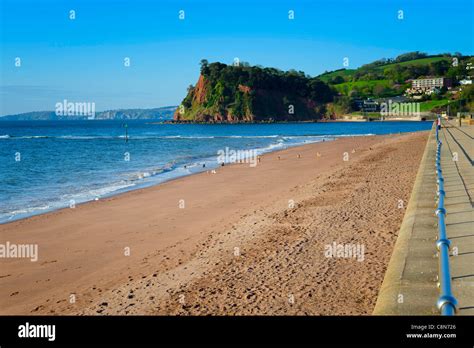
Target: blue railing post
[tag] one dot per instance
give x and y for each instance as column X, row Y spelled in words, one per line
column 446, row 302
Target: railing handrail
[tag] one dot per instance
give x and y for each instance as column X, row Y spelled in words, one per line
column 446, row 303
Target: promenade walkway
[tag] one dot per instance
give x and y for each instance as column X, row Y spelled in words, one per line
column 458, row 142
column 410, row 283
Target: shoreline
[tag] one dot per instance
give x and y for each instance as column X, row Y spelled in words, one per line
column 81, row 250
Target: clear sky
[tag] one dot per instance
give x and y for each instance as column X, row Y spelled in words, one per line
column 83, row 59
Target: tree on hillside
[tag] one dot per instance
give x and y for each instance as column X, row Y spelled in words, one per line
column 376, row 63
column 457, row 72
column 204, row 66
column 439, row 68
column 410, row 56
column 337, row 80
column 466, row 101
column 378, row 90
column 467, row 93
column 320, row 91
column 395, row 74
column 340, row 106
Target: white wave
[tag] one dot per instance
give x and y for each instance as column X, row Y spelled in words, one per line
column 81, row 137
column 25, row 211
column 32, row 137
column 183, row 137
column 248, row 136
column 107, row 190
column 352, row 135
column 289, row 137
column 271, row 147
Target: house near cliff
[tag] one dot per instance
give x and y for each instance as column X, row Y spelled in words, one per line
column 367, row 105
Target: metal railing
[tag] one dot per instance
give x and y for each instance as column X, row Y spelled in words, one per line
column 446, row 302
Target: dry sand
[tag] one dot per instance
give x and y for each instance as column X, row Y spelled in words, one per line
column 237, row 247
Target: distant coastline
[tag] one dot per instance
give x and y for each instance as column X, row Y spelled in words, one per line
column 160, row 113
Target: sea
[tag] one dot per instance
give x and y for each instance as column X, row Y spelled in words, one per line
column 49, row 165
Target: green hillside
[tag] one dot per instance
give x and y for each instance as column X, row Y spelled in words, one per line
column 390, row 77
column 344, row 73
column 397, row 70
column 421, row 61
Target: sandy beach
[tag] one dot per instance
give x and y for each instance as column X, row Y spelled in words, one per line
column 244, row 240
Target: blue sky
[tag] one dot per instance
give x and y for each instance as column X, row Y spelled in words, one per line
column 83, row 59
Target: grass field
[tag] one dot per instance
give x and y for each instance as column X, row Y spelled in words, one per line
column 366, row 88
column 362, row 84
column 431, row 104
